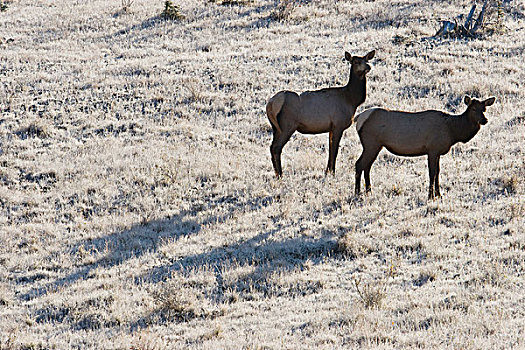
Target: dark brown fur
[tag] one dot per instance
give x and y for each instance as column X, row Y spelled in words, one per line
column 313, row 112
column 430, row 133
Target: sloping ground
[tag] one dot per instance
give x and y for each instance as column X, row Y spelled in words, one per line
column 139, row 209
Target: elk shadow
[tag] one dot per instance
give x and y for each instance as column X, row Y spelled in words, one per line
column 265, row 255
column 117, row 248
column 267, row 261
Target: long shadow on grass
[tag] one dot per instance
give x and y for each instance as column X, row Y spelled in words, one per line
column 138, row 32
column 261, row 252
column 118, row 247
column 144, row 25
column 266, row 259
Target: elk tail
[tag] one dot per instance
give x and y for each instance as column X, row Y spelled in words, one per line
column 273, row 108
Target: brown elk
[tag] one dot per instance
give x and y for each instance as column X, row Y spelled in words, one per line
column 430, row 133
column 314, row 112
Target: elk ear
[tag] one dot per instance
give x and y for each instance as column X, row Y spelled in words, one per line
column 468, row 100
column 370, row 55
column 489, row 101
column 348, row 57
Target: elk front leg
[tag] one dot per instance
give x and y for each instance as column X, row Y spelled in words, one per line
column 333, row 149
column 432, row 171
column 436, row 180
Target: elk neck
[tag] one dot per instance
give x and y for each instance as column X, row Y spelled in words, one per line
column 355, row 90
column 462, row 129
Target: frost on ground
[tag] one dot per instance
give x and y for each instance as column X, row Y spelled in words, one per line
column 139, row 209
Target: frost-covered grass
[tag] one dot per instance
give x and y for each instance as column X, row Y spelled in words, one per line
column 139, row 209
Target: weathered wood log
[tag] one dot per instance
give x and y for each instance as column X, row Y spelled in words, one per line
column 469, row 17
column 479, row 21
column 446, row 28
column 456, row 29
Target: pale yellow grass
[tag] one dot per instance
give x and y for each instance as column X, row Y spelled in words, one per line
column 139, row 208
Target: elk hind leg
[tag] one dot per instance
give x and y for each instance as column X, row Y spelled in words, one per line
column 279, row 140
column 364, row 163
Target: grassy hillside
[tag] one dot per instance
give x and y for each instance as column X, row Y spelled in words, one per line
column 138, row 204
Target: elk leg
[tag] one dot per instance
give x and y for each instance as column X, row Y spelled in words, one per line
column 368, row 165
column 368, row 187
column 436, row 181
column 279, row 140
column 330, row 146
column 358, row 171
column 432, row 170
column 364, row 163
column 335, row 138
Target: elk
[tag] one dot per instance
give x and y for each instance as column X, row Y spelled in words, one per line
column 314, row 112
column 430, row 133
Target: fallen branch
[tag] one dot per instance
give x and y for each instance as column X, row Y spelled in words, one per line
column 479, row 21
column 454, row 29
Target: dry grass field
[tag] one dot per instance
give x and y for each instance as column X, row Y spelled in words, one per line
column 139, row 208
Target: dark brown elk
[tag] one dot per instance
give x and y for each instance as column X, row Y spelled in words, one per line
column 314, row 112
column 430, row 133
